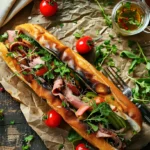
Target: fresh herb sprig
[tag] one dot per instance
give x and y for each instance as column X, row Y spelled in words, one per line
column 136, row 59
column 102, row 52
column 3, row 37
column 106, row 17
column 142, row 85
column 27, row 141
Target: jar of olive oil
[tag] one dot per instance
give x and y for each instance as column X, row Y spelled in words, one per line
column 130, row 17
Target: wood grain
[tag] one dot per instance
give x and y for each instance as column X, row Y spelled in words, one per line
column 11, row 136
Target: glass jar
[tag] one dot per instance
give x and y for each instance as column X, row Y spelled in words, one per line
column 127, row 25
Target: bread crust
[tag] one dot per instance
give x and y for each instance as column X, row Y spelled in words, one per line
column 80, row 65
column 56, row 104
column 47, row 40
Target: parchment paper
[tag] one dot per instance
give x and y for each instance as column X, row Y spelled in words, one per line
column 71, row 17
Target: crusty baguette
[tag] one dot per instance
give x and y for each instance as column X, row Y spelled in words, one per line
column 47, row 40
column 81, row 66
column 56, row 104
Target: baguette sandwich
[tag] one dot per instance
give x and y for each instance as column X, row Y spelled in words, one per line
column 92, row 105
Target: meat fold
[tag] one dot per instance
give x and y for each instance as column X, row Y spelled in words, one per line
column 107, row 133
column 65, row 91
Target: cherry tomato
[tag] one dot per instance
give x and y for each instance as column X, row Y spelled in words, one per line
column 41, row 71
column 84, row 44
column 48, row 7
column 53, row 119
column 81, row 146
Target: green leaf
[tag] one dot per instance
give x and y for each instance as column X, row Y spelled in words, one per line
column 111, row 62
column 129, row 54
column 111, row 36
column 132, row 66
column 12, row 54
column 12, row 122
column 73, row 136
column 1, row 114
column 38, row 66
column 32, row 41
column 107, row 42
column 3, row 37
column 47, row 58
column 148, row 65
column 108, row 21
column 25, row 147
column 127, row 5
column 64, row 104
column 114, row 49
column 132, row 21
column 131, row 43
column 94, row 127
column 61, row 25
column 28, row 138
column 61, row 146
column 78, row 34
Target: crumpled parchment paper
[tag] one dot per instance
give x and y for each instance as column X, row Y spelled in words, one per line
column 71, row 17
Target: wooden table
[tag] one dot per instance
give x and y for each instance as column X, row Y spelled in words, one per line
column 11, row 136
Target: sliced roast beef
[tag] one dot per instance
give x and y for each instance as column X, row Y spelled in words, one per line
column 11, row 35
column 36, row 61
column 107, row 133
column 58, row 88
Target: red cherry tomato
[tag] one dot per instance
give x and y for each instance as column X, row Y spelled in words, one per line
column 81, row 146
column 41, row 71
column 53, row 119
column 84, row 44
column 48, row 7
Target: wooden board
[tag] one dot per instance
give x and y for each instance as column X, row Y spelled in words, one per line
column 11, row 136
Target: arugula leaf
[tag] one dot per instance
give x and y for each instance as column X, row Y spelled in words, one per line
column 3, row 37
column 73, row 136
column 129, row 54
column 38, row 66
column 94, row 127
column 132, row 66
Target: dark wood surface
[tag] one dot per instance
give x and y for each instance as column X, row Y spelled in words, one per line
column 12, row 136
